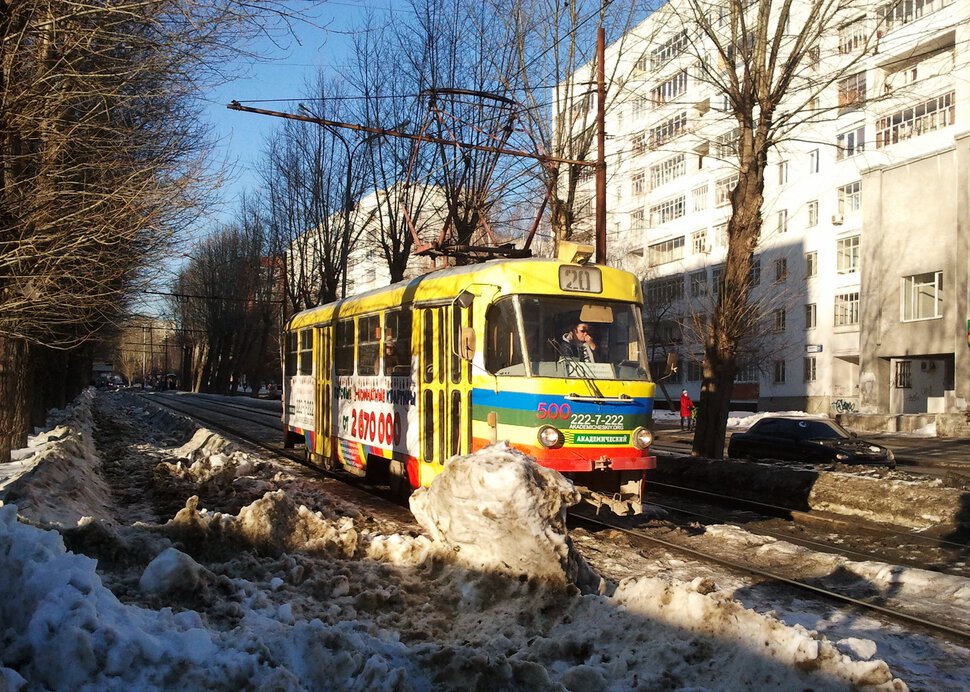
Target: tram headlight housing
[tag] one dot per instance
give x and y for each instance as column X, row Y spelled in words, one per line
column 642, row 438
column 550, row 437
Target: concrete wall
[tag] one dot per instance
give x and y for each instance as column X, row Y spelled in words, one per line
column 905, row 236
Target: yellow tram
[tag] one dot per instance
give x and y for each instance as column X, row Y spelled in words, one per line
column 392, row 383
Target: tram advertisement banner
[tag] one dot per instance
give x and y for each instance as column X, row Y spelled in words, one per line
column 299, row 402
column 374, row 410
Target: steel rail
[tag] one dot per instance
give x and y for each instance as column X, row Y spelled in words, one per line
column 833, row 595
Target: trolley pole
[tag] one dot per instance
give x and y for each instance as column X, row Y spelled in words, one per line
column 600, row 146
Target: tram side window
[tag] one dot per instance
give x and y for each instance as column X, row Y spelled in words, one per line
column 503, row 353
column 368, row 344
column 290, row 354
column 345, row 347
column 397, row 343
column 306, row 352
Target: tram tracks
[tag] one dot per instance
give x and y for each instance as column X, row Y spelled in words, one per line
column 639, row 536
column 900, row 614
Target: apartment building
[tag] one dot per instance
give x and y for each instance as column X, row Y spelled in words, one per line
column 371, row 217
column 861, row 273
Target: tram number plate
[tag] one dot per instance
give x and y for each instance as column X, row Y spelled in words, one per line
column 580, row 279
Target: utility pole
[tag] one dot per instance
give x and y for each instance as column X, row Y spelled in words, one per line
column 600, row 145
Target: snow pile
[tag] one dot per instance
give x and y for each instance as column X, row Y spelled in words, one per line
column 57, row 481
column 498, row 510
column 697, row 609
column 281, row 596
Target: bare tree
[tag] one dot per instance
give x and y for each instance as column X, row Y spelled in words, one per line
column 101, row 159
column 762, row 57
column 555, row 46
column 228, row 299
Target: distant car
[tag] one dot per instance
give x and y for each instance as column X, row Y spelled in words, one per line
column 808, row 440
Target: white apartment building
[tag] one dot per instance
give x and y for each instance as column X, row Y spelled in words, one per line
column 863, row 263
column 366, row 265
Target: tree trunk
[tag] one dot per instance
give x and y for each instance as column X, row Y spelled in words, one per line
column 14, row 401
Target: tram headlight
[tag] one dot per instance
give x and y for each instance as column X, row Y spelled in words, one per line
column 550, row 437
column 642, row 438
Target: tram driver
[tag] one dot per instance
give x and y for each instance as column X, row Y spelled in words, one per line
column 579, row 343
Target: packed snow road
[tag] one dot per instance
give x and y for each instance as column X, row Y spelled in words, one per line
column 217, row 568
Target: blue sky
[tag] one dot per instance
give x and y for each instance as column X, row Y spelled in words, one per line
column 283, row 75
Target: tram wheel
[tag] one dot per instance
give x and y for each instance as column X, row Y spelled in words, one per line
column 400, row 485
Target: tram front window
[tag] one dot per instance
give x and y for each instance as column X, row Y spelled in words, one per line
column 565, row 337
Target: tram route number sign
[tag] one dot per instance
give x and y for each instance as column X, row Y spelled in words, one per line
column 580, row 279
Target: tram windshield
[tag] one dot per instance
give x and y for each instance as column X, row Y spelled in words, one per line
column 544, row 336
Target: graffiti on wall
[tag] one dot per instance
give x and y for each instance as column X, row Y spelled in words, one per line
column 844, row 406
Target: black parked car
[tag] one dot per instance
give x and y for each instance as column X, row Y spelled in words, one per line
column 806, row 439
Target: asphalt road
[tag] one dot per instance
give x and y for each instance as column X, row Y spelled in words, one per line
column 910, row 450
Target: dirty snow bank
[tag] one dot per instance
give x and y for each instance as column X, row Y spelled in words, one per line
column 280, row 596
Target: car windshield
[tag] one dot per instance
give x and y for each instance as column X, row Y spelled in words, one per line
column 818, row 430
column 543, row 336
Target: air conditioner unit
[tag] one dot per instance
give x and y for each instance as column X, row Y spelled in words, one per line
column 836, row 219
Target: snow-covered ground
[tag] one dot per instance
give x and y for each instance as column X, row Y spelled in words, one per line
column 162, row 559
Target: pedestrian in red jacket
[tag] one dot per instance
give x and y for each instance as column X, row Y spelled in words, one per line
column 686, row 406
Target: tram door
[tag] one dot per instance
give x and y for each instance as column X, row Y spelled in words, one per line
column 324, row 393
column 445, row 384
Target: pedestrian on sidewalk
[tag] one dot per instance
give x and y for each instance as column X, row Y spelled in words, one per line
column 686, row 406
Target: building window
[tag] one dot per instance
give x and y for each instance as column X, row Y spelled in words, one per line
column 905, row 124
column 695, row 372
column 811, row 316
column 851, row 143
column 698, row 242
column 813, row 161
column 698, row 284
column 781, row 270
column 639, row 144
column 725, row 145
column 903, row 378
column 669, row 130
column 665, row 291
column 670, row 89
column 723, row 189
column 782, row 172
column 721, row 234
column 667, row 251
column 895, row 14
column 640, row 107
column 852, row 90
column 669, row 50
column 754, row 276
column 699, row 197
column 923, row 296
column 636, row 220
column 852, row 37
column 716, row 274
column 747, row 372
column 779, row 368
column 639, row 183
column 847, row 251
column 846, row 309
column 668, row 210
column 668, row 170
column 812, row 213
column 811, row 369
column 780, row 318
column 782, row 221
column 850, row 197
column 811, row 264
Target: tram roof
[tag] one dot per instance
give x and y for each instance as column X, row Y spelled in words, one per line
column 498, row 277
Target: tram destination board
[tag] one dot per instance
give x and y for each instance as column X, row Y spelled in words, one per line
column 580, row 279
